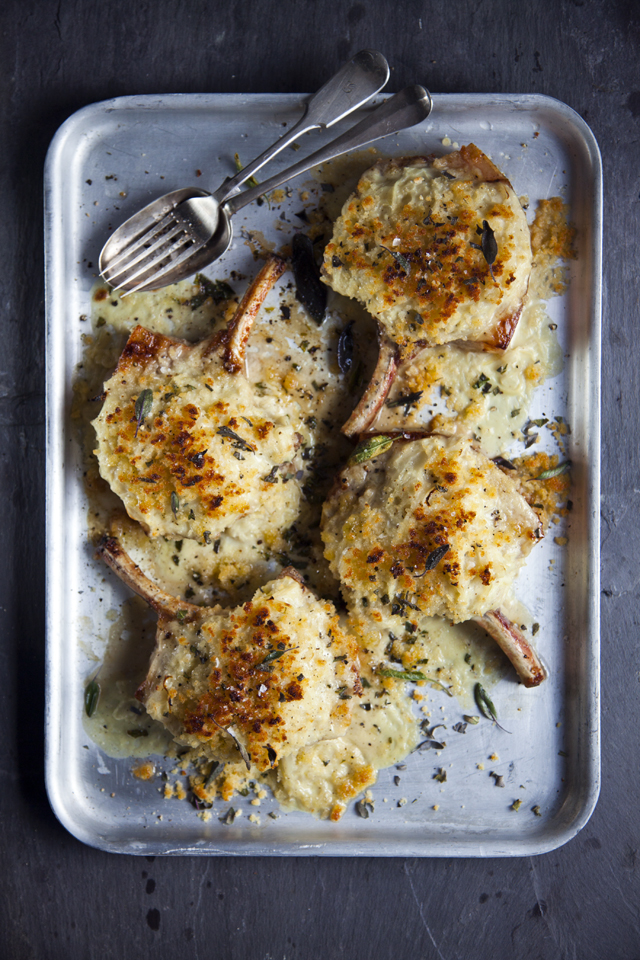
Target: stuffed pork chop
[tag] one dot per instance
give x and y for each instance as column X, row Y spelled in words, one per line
column 437, row 250
column 430, row 528
column 190, row 446
column 266, row 678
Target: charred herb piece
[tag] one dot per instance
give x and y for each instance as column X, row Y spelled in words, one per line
column 406, row 400
column 412, row 676
column 440, row 776
column 431, row 745
column 399, row 258
column 553, row 471
column 91, row 697
column 345, row 349
column 470, row 719
column 460, row 727
column 175, row 503
column 488, row 245
column 370, row 448
column 238, row 441
column 497, row 778
column 274, row 655
column 142, row 408
column 485, row 705
column 433, row 559
column 229, row 816
column 504, row 463
column 364, row 808
column 310, row 290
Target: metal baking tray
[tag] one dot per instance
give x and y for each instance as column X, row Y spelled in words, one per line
column 104, row 163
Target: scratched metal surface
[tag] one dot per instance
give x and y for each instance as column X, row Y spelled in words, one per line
column 60, row 898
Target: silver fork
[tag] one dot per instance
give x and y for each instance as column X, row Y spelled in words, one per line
column 161, row 226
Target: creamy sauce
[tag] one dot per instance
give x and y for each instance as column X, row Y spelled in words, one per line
column 485, row 394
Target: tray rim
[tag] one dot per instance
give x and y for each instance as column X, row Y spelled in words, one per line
column 556, row 833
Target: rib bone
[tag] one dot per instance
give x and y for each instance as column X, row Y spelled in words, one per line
column 515, row 645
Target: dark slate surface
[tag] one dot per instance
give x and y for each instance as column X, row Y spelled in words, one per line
column 61, row 899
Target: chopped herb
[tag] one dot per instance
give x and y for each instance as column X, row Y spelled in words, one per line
column 433, row 559
column 503, row 462
column 460, row 727
column 232, row 435
column 272, row 476
column 488, row 245
column 91, row 697
column 274, row 655
column 142, row 408
column 364, row 808
column 180, row 615
column 406, row 400
column 370, row 448
column 175, row 503
column 535, row 628
column 516, row 805
column 431, row 745
column 485, row 705
column 412, row 676
column 440, row 776
column 483, row 378
column 229, row 816
column 536, row 809
column 554, row 471
column 515, row 412
column 216, row 290
column 399, row 258
column 540, row 423
column 137, row 733
column 470, row 718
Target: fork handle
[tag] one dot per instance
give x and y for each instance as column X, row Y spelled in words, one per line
column 405, row 109
column 351, row 87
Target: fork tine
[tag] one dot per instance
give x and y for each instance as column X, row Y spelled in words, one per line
column 146, row 258
column 161, row 259
column 165, row 268
column 138, row 243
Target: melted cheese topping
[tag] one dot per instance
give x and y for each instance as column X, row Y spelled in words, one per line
column 206, row 454
column 412, row 246
column 432, row 527
column 277, row 673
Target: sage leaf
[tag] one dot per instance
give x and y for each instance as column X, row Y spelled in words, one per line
column 142, row 408
column 91, row 697
column 399, row 258
column 412, row 676
column 370, row 448
column 485, row 705
column 554, row 471
column 488, row 244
